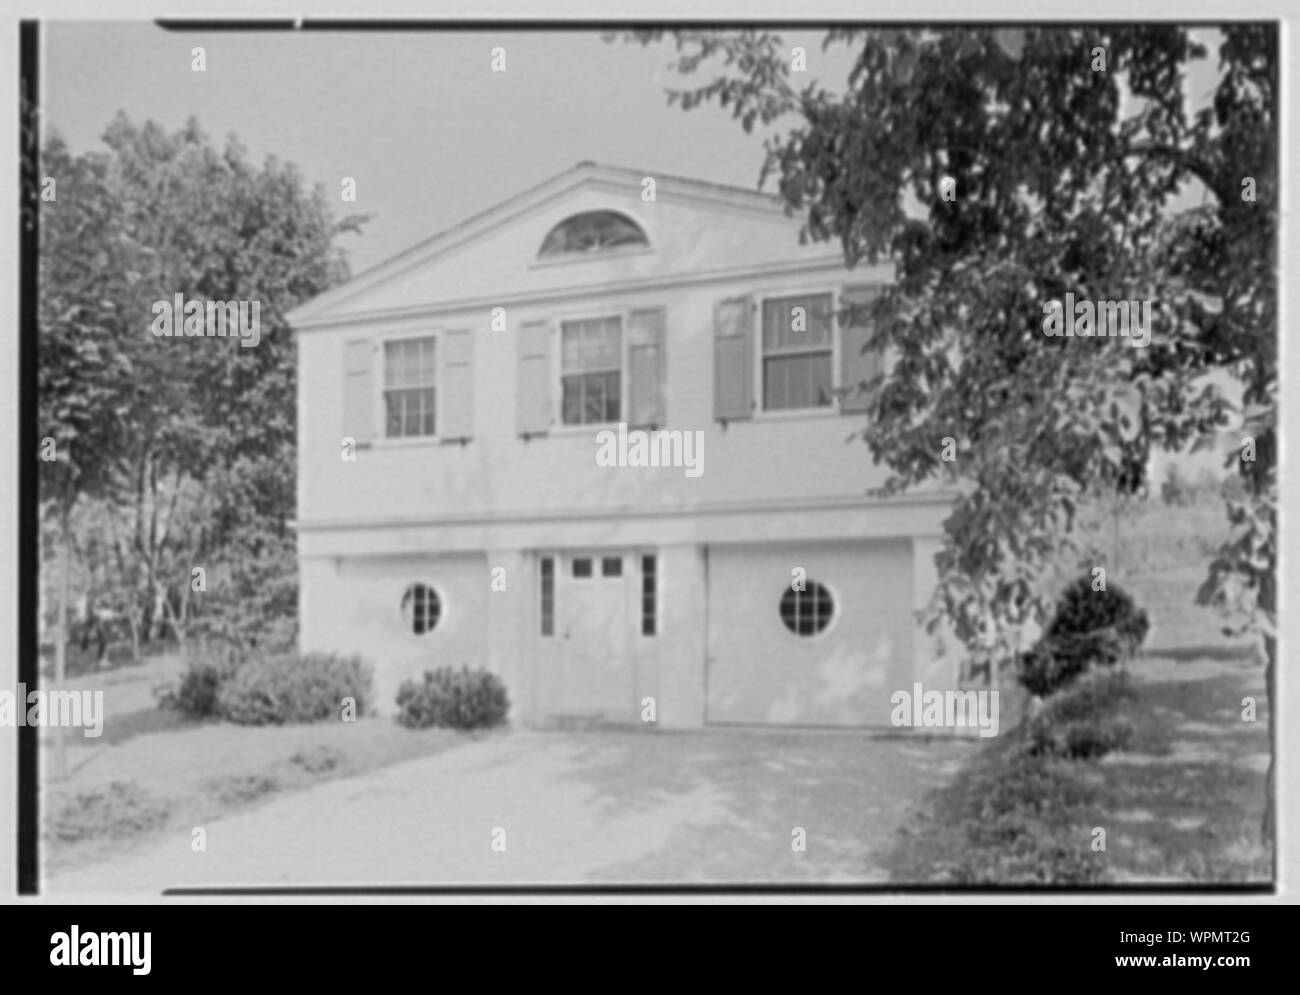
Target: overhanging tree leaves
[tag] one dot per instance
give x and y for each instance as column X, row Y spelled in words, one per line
column 1063, row 173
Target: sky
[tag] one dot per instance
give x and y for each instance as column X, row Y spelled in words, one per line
column 430, row 134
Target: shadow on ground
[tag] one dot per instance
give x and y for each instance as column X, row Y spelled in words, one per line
column 749, row 793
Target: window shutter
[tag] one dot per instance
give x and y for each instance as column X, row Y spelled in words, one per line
column 456, row 386
column 533, row 401
column 646, row 363
column 858, row 367
column 733, row 359
column 358, row 393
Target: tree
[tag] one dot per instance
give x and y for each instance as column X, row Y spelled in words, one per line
column 177, row 418
column 1060, row 169
column 82, row 377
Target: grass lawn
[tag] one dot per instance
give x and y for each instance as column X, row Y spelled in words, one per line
column 154, row 774
column 1181, row 803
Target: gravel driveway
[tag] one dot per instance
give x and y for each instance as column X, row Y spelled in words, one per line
column 717, row 805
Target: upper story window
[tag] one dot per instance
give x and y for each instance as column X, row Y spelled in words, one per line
column 591, row 370
column 798, row 352
column 410, row 388
column 592, row 231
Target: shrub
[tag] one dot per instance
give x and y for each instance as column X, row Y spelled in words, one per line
column 120, row 809
column 1028, row 786
column 1089, row 628
column 318, row 759
column 1042, row 671
column 1094, row 738
column 196, row 693
column 1080, row 739
column 252, row 596
column 1097, row 694
column 453, row 699
column 1083, row 612
column 294, row 688
column 1080, row 723
column 1020, row 826
column 1023, row 851
column 236, row 789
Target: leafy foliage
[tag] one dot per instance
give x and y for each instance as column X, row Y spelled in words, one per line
column 1062, row 175
column 119, row 809
column 1041, row 671
column 1090, row 628
column 195, row 695
column 1106, row 624
column 453, row 699
column 1019, row 827
column 1080, row 722
column 181, row 452
column 319, row 759
column 240, row 789
column 294, row 688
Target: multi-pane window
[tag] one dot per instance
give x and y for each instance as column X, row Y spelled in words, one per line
column 409, row 387
column 808, row 610
column 591, row 364
column 421, row 608
column 592, row 231
column 582, row 567
column 798, row 347
column 548, row 596
column 649, row 599
column 611, row 566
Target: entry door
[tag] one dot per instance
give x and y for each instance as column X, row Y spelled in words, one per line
column 598, row 671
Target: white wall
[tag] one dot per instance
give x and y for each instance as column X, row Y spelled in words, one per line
column 773, row 458
column 369, row 525
column 760, row 672
column 353, row 606
column 672, row 663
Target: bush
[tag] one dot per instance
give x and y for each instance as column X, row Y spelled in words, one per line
column 237, row 789
column 1042, row 671
column 252, row 596
column 1089, row 628
column 319, row 759
column 1098, row 694
column 1028, row 786
column 196, row 693
column 1020, row 826
column 118, row 810
column 294, row 688
column 1023, row 851
column 1079, row 722
column 1094, row 738
column 1080, row 739
column 453, row 699
column 1083, row 612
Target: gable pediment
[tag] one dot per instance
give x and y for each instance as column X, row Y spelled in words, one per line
column 689, row 228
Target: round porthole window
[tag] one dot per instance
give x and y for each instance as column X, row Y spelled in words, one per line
column 807, row 612
column 421, row 608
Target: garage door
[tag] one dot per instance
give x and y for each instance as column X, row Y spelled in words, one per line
column 817, row 635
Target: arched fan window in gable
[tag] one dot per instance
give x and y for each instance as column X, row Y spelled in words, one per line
column 592, row 231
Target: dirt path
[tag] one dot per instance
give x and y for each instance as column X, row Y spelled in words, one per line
column 616, row 807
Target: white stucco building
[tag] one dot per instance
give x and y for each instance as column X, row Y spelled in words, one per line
column 474, row 525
